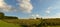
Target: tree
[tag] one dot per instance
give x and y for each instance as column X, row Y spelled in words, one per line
column 1, row 15
column 10, row 17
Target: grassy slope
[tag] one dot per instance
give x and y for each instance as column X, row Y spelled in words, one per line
column 4, row 24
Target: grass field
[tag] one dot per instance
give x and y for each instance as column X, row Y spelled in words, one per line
column 4, row 24
column 25, row 22
column 53, row 26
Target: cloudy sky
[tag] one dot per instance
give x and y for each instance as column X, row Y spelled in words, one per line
column 30, row 8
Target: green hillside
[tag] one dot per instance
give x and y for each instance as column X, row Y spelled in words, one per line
column 4, row 24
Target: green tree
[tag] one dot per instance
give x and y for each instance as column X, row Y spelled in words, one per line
column 1, row 15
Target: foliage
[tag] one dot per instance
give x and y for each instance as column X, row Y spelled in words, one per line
column 1, row 15
column 10, row 17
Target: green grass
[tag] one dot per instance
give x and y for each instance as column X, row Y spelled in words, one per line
column 51, row 26
column 54, row 26
column 4, row 24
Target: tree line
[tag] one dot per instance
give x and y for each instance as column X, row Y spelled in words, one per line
column 2, row 16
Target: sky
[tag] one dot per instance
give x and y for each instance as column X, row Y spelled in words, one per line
column 31, row 8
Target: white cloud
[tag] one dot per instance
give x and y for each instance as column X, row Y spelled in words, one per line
column 25, row 5
column 56, row 5
column 4, row 7
column 48, row 10
column 57, row 15
column 35, row 15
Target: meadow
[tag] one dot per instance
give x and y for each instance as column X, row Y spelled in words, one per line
column 29, row 22
column 5, row 24
column 11, row 21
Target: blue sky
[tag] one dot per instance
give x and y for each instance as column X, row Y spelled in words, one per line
column 30, row 8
